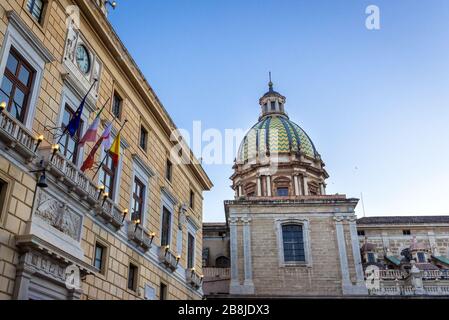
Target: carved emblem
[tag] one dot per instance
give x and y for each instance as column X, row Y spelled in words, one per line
column 59, row 216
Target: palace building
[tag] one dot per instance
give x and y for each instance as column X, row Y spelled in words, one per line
column 128, row 227
column 285, row 237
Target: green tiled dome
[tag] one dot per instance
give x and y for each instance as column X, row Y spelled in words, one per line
column 277, row 134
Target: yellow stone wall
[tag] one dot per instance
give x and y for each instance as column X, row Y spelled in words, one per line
column 137, row 109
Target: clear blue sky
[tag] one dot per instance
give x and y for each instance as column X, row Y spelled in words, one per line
column 375, row 103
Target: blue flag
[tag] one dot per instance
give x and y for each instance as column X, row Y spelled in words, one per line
column 73, row 125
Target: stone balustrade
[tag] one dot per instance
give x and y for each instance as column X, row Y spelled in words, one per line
column 109, row 212
column 193, row 278
column 16, row 136
column 138, row 235
column 168, row 258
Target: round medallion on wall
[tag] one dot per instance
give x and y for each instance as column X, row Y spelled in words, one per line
column 83, row 59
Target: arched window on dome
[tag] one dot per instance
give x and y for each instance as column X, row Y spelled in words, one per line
column 282, row 186
column 273, row 105
column 250, row 189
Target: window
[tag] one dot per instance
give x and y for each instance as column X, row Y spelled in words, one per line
column 190, row 251
column 117, row 103
column 406, row 232
column 16, row 86
column 107, row 175
column 361, row 232
column 293, row 240
column 163, row 291
column 69, row 145
column 192, row 199
column 36, row 8
column 138, row 200
column 168, row 170
column 166, row 221
column 99, row 258
column 3, row 187
column 143, row 138
column 421, row 257
column 371, row 257
column 132, row 277
column 222, row 262
column 282, row 192
column 273, row 105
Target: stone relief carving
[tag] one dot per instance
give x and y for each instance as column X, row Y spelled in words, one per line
column 59, row 215
column 45, row 265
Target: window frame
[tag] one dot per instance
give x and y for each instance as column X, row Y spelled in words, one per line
column 106, row 170
column 406, row 232
column 163, row 291
column 190, row 254
column 138, row 198
column 282, row 188
column 102, row 269
column 169, row 230
column 143, row 134
column 192, row 200
column 76, row 153
column 279, row 223
column 5, row 196
column 116, row 94
column 168, row 170
column 27, row 89
column 135, row 279
column 39, row 19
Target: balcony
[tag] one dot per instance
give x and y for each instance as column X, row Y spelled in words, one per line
column 81, row 185
column 16, row 136
column 138, row 235
column 168, row 258
column 109, row 212
column 193, row 278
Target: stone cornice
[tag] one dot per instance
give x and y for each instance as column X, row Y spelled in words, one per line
column 126, row 63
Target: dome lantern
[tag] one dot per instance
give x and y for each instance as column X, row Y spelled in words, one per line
column 272, row 102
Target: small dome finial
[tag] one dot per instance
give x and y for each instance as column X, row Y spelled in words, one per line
column 270, row 84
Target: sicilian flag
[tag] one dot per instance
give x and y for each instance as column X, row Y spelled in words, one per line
column 114, row 152
column 90, row 160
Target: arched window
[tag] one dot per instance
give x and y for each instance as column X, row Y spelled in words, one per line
column 293, row 242
column 222, row 262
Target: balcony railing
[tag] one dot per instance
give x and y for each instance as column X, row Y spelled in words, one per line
column 193, row 278
column 109, row 212
column 139, row 236
column 76, row 181
column 391, row 274
column 211, row 272
column 168, row 259
column 16, row 136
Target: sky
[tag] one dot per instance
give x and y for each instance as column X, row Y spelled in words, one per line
column 374, row 102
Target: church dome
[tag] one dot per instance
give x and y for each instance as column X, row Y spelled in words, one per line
column 275, row 133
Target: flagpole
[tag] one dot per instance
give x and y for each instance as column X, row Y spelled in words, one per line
column 106, row 155
column 85, row 97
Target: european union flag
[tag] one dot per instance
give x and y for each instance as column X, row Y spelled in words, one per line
column 74, row 123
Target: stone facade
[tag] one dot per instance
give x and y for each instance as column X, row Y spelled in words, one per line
column 44, row 231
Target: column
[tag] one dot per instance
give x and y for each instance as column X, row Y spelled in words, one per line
column 306, row 186
column 323, row 189
column 259, row 187
column 346, row 281
column 296, row 184
column 235, row 283
column 240, row 190
column 248, row 285
column 268, row 186
column 356, row 254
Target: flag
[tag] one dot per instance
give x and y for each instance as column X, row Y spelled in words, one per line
column 107, row 137
column 90, row 160
column 74, row 123
column 114, row 152
column 91, row 133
